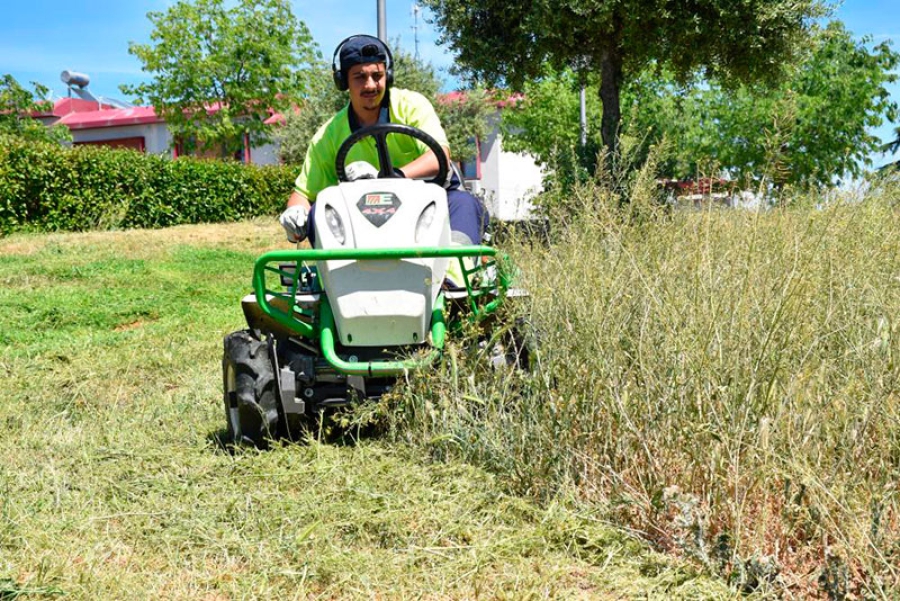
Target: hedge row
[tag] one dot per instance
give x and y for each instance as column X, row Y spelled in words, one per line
column 46, row 187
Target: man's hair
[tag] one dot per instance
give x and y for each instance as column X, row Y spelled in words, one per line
column 357, row 50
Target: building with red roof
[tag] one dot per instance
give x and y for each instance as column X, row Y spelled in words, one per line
column 506, row 180
column 135, row 127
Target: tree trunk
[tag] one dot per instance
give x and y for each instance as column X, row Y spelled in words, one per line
column 610, row 89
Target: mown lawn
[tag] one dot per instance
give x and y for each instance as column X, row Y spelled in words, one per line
column 113, row 483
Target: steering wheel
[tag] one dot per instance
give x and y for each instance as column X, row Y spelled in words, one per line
column 380, row 131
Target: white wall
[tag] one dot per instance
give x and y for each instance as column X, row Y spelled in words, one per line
column 508, row 180
column 156, row 136
column 264, row 155
column 520, row 181
column 158, row 140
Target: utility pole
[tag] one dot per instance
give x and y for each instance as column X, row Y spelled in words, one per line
column 583, row 118
column 382, row 22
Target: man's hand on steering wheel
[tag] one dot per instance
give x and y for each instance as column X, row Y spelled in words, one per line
column 380, row 132
column 361, row 170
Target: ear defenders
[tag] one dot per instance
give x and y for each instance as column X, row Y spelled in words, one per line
column 373, row 48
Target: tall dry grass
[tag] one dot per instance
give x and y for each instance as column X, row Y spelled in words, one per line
column 114, row 484
column 724, row 382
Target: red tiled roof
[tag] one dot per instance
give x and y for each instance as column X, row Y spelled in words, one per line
column 138, row 115
column 64, row 106
column 77, row 105
column 76, row 113
column 460, row 96
column 455, row 96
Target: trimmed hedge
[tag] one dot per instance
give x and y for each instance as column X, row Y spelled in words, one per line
column 47, row 187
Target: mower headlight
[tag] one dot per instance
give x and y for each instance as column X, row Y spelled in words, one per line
column 425, row 220
column 335, row 224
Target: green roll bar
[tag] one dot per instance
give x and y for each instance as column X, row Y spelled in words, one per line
column 322, row 325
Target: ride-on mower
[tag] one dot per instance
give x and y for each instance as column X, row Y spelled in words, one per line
column 370, row 302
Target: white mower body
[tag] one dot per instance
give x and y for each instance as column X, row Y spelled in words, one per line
column 382, row 302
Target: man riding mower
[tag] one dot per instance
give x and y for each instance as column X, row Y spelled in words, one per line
column 371, row 299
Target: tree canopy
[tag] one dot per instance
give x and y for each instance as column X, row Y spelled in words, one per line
column 812, row 127
column 219, row 72
column 514, row 41
column 17, row 105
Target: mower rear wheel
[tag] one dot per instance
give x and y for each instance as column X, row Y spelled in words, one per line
column 250, row 394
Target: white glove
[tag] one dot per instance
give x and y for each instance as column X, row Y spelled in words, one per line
column 293, row 220
column 360, row 170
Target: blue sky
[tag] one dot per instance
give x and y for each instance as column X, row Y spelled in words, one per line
column 41, row 38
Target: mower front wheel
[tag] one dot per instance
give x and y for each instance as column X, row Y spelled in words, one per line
column 250, row 394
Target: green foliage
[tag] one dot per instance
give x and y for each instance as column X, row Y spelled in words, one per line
column 414, row 73
column 218, row 72
column 545, row 122
column 614, row 40
column 808, row 130
column 463, row 119
column 47, row 187
column 892, row 146
column 812, row 128
column 16, row 106
column 321, row 102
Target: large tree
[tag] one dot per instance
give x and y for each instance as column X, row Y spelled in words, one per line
column 218, row 72
column 811, row 128
column 17, row 106
column 514, row 41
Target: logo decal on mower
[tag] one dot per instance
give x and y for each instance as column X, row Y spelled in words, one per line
column 378, row 207
column 379, row 200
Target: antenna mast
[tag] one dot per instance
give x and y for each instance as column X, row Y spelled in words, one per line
column 416, row 9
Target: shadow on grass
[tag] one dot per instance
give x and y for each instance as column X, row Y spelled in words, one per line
column 322, row 430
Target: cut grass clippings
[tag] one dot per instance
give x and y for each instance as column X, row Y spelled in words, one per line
column 113, row 483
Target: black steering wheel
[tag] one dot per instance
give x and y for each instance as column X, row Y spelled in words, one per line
column 380, row 131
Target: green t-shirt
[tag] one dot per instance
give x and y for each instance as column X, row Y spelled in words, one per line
column 405, row 107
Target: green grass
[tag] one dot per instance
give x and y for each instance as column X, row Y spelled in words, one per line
column 113, row 484
column 721, row 384
column 726, row 383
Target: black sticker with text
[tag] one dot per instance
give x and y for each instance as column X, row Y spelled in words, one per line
column 378, row 207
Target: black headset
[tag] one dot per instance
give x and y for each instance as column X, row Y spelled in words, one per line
column 340, row 78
